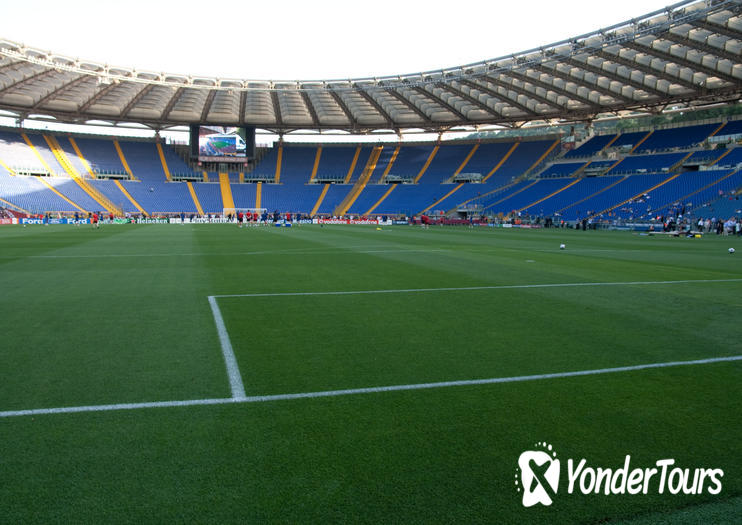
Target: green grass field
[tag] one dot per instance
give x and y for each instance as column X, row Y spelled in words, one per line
column 122, row 315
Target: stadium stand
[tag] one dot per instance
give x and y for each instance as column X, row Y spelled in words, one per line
column 527, row 176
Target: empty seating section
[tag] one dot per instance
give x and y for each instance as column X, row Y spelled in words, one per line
column 101, row 154
column 290, row 197
column 42, row 148
column 523, row 158
column 467, row 192
column 31, row 194
column 731, row 128
column 582, row 189
column 297, row 163
column 590, row 147
column 266, row 167
column 335, row 162
column 70, row 189
column 17, row 154
column 176, row 164
column 684, row 137
column 210, row 197
column 335, row 195
column 144, row 161
column 646, row 163
column 243, row 195
column 446, row 161
column 731, row 159
column 161, row 197
column 410, row 161
column 529, row 195
column 385, row 157
column 72, row 156
column 626, row 188
column 368, row 197
column 114, row 194
column 410, row 199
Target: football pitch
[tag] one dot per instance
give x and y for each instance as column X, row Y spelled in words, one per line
column 211, row 374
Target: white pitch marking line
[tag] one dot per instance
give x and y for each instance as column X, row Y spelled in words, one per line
column 470, row 288
column 369, row 390
column 117, row 406
column 233, row 370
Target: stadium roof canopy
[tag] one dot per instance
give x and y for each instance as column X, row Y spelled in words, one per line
column 687, row 53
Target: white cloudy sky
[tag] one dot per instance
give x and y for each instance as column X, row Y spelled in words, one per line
column 311, row 39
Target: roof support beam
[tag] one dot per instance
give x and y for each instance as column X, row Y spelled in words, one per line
column 559, row 91
column 207, row 105
column 371, row 100
column 59, row 90
column 649, row 70
column 684, row 62
column 95, row 98
column 310, row 107
column 276, row 107
column 469, row 98
column 439, row 100
column 404, row 100
column 243, row 103
column 613, row 76
column 340, row 102
column 147, row 88
column 171, row 103
column 703, row 46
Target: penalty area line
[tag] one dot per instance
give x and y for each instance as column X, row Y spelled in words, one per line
column 368, row 390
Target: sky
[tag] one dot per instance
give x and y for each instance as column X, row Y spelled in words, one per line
column 302, row 40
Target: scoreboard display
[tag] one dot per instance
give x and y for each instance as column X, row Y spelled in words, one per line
column 222, row 143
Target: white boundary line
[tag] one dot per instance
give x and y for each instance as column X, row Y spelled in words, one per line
column 470, row 288
column 233, row 369
column 356, row 391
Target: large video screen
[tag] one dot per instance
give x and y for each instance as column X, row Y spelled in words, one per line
column 222, row 143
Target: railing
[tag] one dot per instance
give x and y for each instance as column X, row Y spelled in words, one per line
column 110, row 174
column 28, row 171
